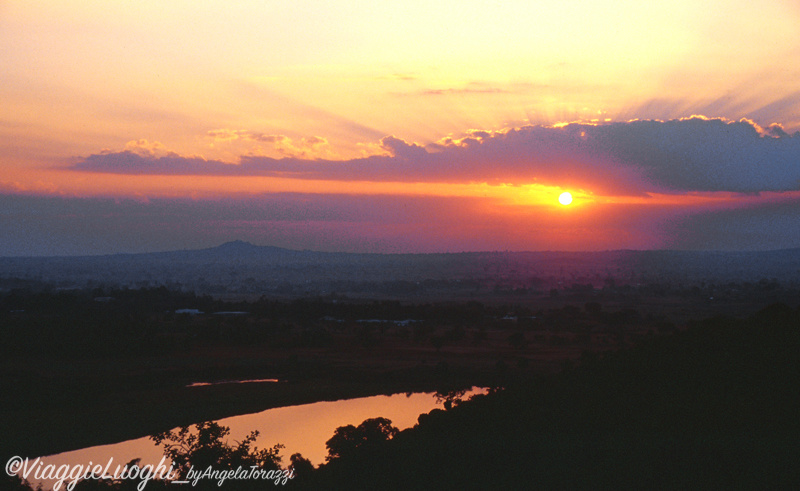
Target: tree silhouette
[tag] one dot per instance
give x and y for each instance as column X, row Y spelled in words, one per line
column 302, row 467
column 450, row 397
column 350, row 440
column 207, row 447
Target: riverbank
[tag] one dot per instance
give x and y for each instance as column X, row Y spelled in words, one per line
column 93, row 410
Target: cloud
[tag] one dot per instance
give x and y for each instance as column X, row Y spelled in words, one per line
column 224, row 134
column 146, row 148
column 699, row 154
column 681, row 155
column 403, row 150
column 130, row 162
column 311, row 147
column 466, row 90
column 480, row 88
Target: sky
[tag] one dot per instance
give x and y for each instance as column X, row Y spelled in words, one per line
column 398, row 126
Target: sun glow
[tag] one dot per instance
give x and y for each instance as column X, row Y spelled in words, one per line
column 565, row 198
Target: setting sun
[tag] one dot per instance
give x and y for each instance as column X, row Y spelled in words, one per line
column 469, row 138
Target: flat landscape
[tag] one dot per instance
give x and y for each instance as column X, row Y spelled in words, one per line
column 100, row 363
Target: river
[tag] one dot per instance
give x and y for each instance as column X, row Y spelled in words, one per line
column 304, row 428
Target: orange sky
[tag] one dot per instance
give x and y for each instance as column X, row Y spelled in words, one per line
column 418, row 100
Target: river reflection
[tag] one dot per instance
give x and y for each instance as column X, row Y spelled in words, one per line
column 304, row 428
column 251, row 381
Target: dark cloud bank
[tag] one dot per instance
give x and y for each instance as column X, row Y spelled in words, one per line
column 635, row 157
column 694, row 154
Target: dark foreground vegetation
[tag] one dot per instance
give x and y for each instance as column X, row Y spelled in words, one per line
column 712, row 405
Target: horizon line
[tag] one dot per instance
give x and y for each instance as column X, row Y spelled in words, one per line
column 507, row 251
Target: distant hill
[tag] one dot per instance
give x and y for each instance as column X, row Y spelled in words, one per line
column 239, row 266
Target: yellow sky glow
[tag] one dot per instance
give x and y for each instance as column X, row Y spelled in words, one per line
column 104, row 73
column 222, row 81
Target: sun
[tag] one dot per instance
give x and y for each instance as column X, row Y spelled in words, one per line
column 565, row 198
